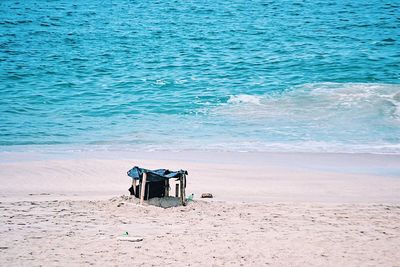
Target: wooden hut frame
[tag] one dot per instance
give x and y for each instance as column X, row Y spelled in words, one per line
column 179, row 189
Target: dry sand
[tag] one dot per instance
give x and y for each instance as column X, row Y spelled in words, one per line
column 270, row 209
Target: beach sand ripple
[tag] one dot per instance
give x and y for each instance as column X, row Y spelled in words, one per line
column 204, row 233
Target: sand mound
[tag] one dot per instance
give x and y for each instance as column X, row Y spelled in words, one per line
column 163, row 202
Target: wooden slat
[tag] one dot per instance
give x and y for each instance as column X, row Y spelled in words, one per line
column 176, row 190
column 181, row 191
column 184, row 190
column 142, row 188
column 148, row 191
column 166, row 193
column 134, row 186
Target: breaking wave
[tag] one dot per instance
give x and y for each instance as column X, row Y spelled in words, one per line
column 350, row 117
column 321, row 101
column 251, row 99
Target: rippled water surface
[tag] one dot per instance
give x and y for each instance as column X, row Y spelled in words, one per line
column 226, row 75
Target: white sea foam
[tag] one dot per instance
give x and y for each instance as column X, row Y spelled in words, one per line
column 322, row 100
column 243, row 98
column 334, row 117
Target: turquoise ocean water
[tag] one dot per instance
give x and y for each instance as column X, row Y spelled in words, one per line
column 226, row 75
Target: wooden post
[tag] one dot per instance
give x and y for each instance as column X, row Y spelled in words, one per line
column 142, row 188
column 182, row 189
column 166, row 193
column 176, row 190
column 134, row 186
column 148, row 191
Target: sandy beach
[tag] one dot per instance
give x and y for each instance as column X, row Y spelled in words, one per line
column 286, row 112
column 317, row 210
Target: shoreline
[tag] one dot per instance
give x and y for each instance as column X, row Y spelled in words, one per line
column 130, row 148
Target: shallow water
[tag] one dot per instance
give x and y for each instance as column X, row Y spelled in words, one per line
column 225, row 75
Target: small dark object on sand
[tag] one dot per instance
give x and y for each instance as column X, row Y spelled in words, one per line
column 206, row 195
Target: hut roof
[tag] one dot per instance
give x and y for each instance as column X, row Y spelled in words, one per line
column 136, row 173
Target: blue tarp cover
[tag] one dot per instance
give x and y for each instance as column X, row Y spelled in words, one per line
column 136, row 173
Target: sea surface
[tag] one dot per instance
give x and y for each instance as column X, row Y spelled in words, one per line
column 236, row 75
